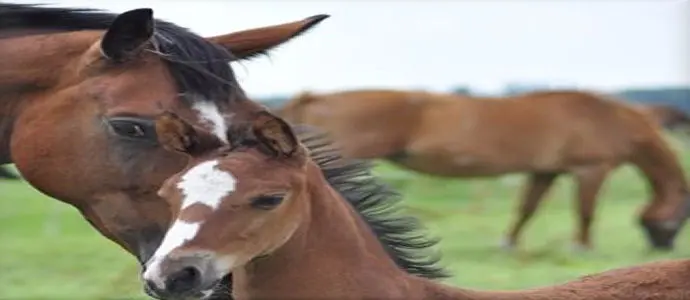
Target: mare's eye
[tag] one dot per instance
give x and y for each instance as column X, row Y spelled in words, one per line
column 267, row 202
column 132, row 129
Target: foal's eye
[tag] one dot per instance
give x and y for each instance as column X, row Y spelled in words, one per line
column 267, row 202
column 131, row 129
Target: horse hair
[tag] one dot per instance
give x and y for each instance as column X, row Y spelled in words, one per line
column 377, row 203
column 201, row 69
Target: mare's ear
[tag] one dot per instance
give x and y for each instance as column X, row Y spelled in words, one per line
column 252, row 42
column 176, row 135
column 274, row 135
column 128, row 34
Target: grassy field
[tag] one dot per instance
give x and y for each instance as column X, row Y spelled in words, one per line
column 49, row 252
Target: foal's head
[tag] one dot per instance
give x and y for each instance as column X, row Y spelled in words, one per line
column 230, row 204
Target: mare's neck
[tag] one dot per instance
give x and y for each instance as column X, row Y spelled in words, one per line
column 29, row 65
column 333, row 254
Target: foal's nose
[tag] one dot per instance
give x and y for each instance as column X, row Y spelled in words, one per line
column 181, row 277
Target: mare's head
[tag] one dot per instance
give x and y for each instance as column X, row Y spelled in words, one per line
column 230, row 205
column 91, row 84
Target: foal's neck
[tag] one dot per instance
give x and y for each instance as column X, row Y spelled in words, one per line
column 29, row 65
column 333, row 254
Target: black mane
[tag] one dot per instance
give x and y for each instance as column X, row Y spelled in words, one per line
column 200, row 68
column 376, row 203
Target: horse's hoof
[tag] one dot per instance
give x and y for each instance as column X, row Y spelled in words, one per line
column 579, row 248
column 507, row 245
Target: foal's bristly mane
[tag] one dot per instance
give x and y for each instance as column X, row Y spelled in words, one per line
column 401, row 235
column 200, row 68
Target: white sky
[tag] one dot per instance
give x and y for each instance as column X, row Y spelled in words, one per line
column 606, row 44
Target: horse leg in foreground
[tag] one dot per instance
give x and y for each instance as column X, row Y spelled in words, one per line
column 292, row 233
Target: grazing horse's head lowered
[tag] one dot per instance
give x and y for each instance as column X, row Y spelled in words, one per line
column 494, row 136
column 78, row 92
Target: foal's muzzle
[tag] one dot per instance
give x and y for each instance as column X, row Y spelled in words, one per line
column 180, row 278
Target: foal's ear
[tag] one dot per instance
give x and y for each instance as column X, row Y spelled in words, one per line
column 128, row 34
column 274, row 135
column 177, row 135
column 252, row 42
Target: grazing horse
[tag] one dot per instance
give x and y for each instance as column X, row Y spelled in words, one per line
column 79, row 89
column 293, row 233
column 545, row 134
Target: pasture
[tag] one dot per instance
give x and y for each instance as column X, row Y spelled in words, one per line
column 50, row 252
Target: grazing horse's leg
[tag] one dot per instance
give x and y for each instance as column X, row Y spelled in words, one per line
column 589, row 180
column 538, row 185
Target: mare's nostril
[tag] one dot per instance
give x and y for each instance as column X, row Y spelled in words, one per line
column 185, row 280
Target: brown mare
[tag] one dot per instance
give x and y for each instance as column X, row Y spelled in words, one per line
column 79, row 89
column 545, row 134
column 293, row 233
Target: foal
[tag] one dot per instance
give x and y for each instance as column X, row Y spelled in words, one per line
column 288, row 233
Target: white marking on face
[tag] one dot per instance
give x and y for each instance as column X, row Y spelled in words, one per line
column 206, row 184
column 178, row 234
column 210, row 113
column 203, row 184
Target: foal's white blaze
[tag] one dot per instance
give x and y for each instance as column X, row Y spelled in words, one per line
column 178, row 234
column 203, row 184
column 210, row 113
column 206, row 184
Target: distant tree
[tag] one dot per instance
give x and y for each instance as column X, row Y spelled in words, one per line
column 272, row 102
column 512, row 89
column 462, row 90
column 678, row 97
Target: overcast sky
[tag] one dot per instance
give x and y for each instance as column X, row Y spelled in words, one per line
column 436, row 45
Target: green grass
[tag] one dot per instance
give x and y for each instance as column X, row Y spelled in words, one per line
column 49, row 252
